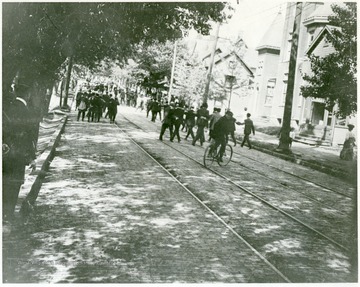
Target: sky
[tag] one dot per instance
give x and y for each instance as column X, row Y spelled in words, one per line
column 251, row 18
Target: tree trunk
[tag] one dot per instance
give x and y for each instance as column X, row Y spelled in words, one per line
column 284, row 142
column 61, row 92
column 67, row 81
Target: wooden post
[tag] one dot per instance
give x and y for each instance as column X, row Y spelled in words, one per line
column 172, row 72
column 284, row 142
column 207, row 86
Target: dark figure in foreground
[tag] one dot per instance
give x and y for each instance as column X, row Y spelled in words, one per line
column 18, row 147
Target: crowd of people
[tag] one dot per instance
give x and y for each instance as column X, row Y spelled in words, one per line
column 92, row 104
column 176, row 116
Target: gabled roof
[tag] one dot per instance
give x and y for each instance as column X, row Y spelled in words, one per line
column 328, row 29
column 238, row 58
column 217, row 51
column 273, row 36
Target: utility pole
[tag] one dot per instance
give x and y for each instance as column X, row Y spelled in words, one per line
column 172, row 72
column 207, row 86
column 284, row 142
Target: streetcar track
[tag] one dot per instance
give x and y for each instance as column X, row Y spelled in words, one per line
column 252, row 194
column 294, row 175
column 266, row 202
column 206, row 206
column 286, row 172
column 285, row 185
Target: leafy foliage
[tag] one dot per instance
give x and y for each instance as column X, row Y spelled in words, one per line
column 190, row 75
column 333, row 77
column 38, row 37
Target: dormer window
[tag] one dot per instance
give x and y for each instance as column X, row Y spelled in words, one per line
column 326, row 42
column 311, row 36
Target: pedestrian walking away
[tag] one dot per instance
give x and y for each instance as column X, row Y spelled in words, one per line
column 177, row 119
column 83, row 105
column 155, row 110
column 190, row 123
column 249, row 127
column 202, row 117
column 112, row 108
column 167, row 122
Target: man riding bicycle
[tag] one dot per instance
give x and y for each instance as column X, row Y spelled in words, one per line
column 222, row 128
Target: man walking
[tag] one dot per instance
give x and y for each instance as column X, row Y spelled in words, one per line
column 201, row 122
column 177, row 120
column 249, row 127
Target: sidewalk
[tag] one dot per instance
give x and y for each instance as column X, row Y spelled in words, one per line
column 102, row 218
column 325, row 159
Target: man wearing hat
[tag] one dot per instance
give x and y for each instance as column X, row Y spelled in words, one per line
column 249, row 127
column 167, row 121
column 214, row 117
column 177, row 120
column 222, row 128
column 190, row 122
column 202, row 117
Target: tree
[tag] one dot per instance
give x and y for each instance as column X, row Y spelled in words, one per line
column 154, row 63
column 39, row 37
column 333, row 77
column 189, row 75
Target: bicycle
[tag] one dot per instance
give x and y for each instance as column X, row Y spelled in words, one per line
column 211, row 156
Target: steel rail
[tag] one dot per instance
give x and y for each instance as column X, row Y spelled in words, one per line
column 256, row 196
column 279, row 182
column 294, row 175
column 205, row 206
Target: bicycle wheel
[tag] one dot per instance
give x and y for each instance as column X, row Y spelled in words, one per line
column 208, row 158
column 226, row 156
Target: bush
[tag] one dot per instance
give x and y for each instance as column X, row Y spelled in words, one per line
column 273, row 131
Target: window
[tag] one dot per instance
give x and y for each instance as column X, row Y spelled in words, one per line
column 288, row 49
column 270, row 91
column 311, row 37
column 260, row 68
column 326, row 42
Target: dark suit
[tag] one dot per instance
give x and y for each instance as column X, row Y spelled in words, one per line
column 18, row 150
column 177, row 119
column 249, row 127
column 201, row 122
